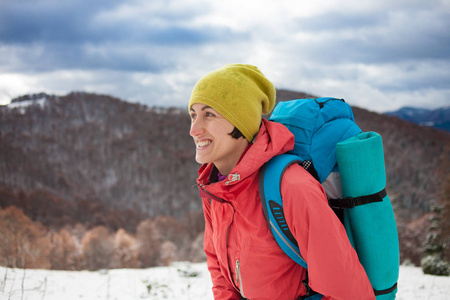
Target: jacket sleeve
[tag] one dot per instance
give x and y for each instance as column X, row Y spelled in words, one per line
column 222, row 289
column 333, row 265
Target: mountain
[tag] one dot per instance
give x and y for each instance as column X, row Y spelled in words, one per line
column 87, row 148
column 437, row 118
column 95, row 158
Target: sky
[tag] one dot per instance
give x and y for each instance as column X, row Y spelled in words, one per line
column 376, row 54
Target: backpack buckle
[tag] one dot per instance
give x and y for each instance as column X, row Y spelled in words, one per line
column 340, row 203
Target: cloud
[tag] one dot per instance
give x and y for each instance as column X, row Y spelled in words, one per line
column 27, row 22
column 381, row 37
column 154, row 51
column 76, row 22
column 52, row 35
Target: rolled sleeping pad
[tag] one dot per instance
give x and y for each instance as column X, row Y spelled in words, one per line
column 371, row 227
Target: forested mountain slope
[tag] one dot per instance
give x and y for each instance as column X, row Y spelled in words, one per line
column 69, row 158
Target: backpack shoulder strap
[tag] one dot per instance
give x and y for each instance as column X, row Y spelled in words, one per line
column 270, row 194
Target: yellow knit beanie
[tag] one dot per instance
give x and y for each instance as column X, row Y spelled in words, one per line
column 240, row 93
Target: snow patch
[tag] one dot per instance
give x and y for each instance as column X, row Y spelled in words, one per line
column 181, row 280
column 23, row 105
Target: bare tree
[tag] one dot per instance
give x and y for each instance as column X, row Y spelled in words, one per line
column 148, row 244
column 98, row 249
column 22, row 243
column 125, row 250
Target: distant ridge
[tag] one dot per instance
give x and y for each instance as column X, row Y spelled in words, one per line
column 438, row 118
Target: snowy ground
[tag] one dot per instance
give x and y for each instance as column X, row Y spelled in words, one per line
column 180, row 281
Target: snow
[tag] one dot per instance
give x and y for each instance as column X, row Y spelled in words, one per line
column 428, row 124
column 23, row 105
column 179, row 281
column 26, row 103
column 182, row 280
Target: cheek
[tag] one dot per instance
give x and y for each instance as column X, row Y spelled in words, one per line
column 222, row 130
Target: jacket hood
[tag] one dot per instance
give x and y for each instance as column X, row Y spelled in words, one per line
column 272, row 139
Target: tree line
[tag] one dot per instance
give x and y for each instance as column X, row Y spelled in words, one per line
column 39, row 230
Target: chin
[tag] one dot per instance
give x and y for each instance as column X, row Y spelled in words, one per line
column 200, row 160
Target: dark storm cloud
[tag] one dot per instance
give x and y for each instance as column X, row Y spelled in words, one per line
column 338, row 21
column 415, row 40
column 24, row 22
column 75, row 25
column 51, row 35
column 377, row 37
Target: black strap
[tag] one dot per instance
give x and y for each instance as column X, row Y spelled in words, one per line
column 308, row 166
column 309, row 291
column 352, row 202
column 386, row 291
column 321, row 104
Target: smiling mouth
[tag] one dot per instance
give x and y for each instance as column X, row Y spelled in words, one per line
column 204, row 143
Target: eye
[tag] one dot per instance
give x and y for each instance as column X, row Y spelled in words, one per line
column 210, row 114
column 193, row 116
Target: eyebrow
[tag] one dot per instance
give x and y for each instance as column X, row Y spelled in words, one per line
column 203, row 108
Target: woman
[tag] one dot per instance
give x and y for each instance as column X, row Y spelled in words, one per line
column 232, row 144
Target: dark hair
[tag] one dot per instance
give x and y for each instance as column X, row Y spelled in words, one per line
column 236, row 134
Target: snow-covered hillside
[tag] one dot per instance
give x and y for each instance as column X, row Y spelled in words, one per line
column 179, row 281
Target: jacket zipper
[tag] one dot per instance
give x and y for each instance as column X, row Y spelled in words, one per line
column 238, row 270
column 239, row 277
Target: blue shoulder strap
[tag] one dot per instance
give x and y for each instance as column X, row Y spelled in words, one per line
column 270, row 193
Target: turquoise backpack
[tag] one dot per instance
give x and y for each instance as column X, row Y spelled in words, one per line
column 350, row 166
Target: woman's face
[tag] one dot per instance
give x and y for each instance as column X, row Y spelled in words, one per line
column 211, row 133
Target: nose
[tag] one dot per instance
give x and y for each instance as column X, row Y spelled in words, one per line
column 197, row 127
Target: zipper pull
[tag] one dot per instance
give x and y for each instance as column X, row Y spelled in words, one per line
column 238, row 272
column 239, row 277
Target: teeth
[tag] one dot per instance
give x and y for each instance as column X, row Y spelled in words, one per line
column 203, row 143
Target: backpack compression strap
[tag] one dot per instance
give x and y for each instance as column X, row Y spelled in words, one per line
column 269, row 184
column 355, row 201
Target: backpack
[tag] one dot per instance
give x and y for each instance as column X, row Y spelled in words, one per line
column 350, row 166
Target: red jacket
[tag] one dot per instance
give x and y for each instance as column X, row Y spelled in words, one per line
column 242, row 255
